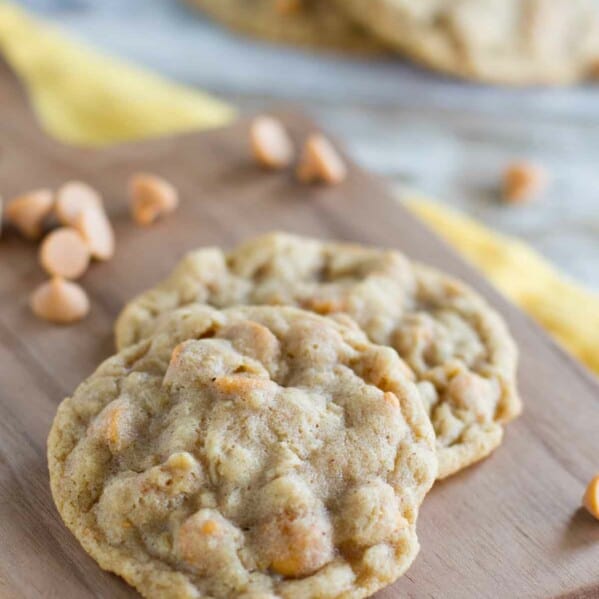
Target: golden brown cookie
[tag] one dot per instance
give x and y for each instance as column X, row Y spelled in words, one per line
column 255, row 452
column 520, row 42
column 307, row 23
column 459, row 348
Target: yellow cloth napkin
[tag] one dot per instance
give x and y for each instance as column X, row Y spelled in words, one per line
column 83, row 98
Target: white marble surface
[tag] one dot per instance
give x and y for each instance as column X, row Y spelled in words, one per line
column 447, row 138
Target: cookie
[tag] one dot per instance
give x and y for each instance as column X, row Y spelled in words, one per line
column 460, row 350
column 500, row 41
column 307, row 23
column 255, row 452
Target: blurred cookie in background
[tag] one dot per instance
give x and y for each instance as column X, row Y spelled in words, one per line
column 307, row 23
column 514, row 42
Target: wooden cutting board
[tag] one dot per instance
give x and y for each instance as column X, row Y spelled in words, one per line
column 508, row 527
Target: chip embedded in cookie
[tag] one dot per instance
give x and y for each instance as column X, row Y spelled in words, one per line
column 249, row 452
column 459, row 348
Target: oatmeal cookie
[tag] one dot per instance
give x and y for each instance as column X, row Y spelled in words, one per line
column 254, row 452
column 307, row 23
column 460, row 350
column 519, row 42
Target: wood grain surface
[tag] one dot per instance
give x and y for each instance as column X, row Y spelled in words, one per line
column 508, row 527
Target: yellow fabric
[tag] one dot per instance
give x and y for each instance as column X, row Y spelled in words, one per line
column 83, row 98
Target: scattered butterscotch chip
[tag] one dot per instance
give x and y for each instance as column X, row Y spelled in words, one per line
column 591, row 497
column 144, row 215
column 80, row 206
column 151, row 197
column 320, row 162
column 29, row 211
column 64, row 253
column 73, row 198
column 523, row 182
column 60, row 301
column 95, row 228
column 270, row 142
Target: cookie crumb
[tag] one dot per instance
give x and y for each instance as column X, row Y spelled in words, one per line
column 591, row 497
column 60, row 301
column 80, row 206
column 523, row 182
column 320, row 162
column 151, row 197
column 28, row 212
column 271, row 145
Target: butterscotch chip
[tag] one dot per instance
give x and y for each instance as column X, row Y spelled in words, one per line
column 458, row 347
column 170, row 473
column 271, row 145
column 29, row 211
column 80, row 206
column 320, row 162
column 145, row 215
column 64, row 253
column 296, row 547
column 523, row 182
column 391, row 399
column 60, row 301
column 210, row 527
column 591, row 497
column 151, row 197
column 115, row 425
column 74, row 198
column 95, row 228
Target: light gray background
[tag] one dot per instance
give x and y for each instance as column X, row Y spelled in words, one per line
column 449, row 139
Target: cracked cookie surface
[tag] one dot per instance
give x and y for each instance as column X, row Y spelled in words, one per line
column 460, row 350
column 254, row 452
column 502, row 41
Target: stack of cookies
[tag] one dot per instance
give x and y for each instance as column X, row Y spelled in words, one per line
column 520, row 42
column 274, row 419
